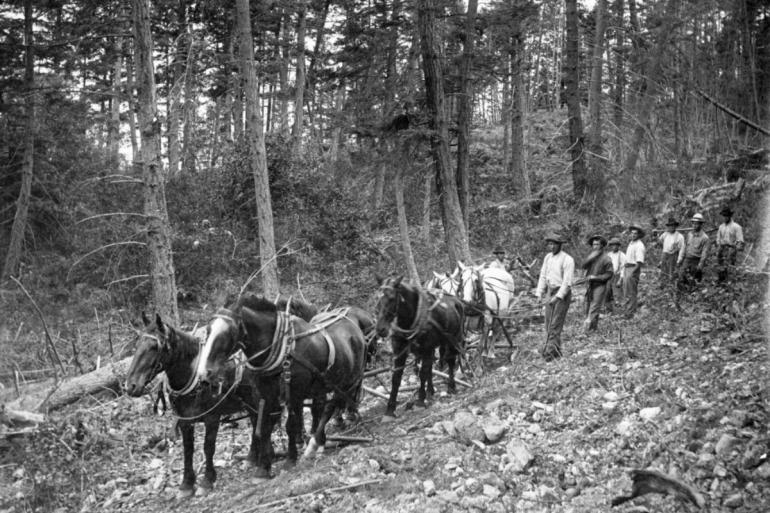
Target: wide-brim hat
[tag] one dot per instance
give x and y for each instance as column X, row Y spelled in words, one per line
column 726, row 211
column 554, row 237
column 672, row 222
column 498, row 250
column 614, row 241
column 638, row 229
column 697, row 218
column 592, row 238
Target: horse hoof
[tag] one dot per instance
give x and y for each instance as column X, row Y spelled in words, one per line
column 185, row 493
column 262, row 473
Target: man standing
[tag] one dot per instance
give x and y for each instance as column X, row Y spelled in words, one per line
column 598, row 268
column 672, row 253
column 633, row 270
column 615, row 290
column 499, row 261
column 696, row 251
column 729, row 242
column 556, row 284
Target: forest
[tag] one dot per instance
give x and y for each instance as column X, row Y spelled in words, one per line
column 167, row 156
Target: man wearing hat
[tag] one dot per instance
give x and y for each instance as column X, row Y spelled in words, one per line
column 598, row 268
column 499, row 261
column 633, row 269
column 672, row 253
column 695, row 252
column 555, row 284
column 729, row 242
column 618, row 259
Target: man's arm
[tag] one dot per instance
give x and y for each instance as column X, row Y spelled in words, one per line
column 541, row 281
column 680, row 258
column 567, row 273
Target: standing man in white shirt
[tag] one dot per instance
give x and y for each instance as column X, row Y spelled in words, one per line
column 729, row 242
column 615, row 291
column 672, row 252
column 633, row 269
column 555, row 284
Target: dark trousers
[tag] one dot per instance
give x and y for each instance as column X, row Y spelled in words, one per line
column 726, row 257
column 614, row 294
column 555, row 315
column 690, row 272
column 631, row 289
column 594, row 301
column 668, row 268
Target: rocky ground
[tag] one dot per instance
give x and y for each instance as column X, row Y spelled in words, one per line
column 682, row 388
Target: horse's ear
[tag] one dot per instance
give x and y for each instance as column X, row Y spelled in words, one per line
column 160, row 324
column 145, row 320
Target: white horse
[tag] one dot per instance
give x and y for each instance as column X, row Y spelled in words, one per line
column 489, row 291
column 448, row 283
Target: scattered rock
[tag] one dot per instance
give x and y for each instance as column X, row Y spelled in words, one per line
column 624, row 427
column 449, row 496
column 648, row 414
column 611, row 397
column 519, row 455
column 467, row 428
column 725, row 443
column 706, row 459
column 571, row 492
column 609, row 406
column 494, row 405
column 494, row 430
column 733, row 501
column 491, row 491
column 763, row 470
column 429, row 487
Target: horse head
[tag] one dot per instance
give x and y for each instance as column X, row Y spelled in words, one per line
column 470, row 288
column 387, row 304
column 223, row 335
column 147, row 361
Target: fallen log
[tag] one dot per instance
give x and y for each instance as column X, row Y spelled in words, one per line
column 458, row 381
column 54, row 396
column 375, row 392
column 652, row 481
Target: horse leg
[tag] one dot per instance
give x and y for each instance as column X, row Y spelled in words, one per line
column 316, row 410
column 426, row 377
column 294, row 429
column 187, row 487
column 318, row 440
column 451, row 360
column 398, row 363
column 253, row 458
column 265, row 460
column 209, row 447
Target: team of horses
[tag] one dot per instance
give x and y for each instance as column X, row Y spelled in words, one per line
column 258, row 356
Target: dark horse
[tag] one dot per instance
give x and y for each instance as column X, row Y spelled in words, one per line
column 423, row 322
column 164, row 348
column 308, row 311
column 293, row 360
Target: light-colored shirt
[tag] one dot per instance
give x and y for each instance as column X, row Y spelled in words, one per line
column 673, row 243
column 618, row 262
column 730, row 234
column 635, row 252
column 497, row 264
column 558, row 271
column 697, row 245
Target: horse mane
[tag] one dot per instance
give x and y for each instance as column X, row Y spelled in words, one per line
column 256, row 303
column 188, row 344
column 298, row 307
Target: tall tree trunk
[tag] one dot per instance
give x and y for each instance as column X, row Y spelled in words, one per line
column 454, row 227
column 19, row 227
column 339, row 102
column 506, row 115
column 215, row 129
column 158, row 231
column 189, row 119
column 595, row 90
column 651, row 78
column 403, row 226
column 257, row 160
column 572, row 97
column 299, row 83
column 518, row 161
column 465, row 110
column 114, row 126
column 132, row 106
column 283, row 73
column 174, row 100
column 620, row 76
column 236, row 88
